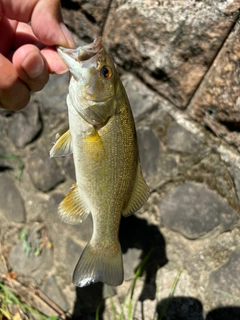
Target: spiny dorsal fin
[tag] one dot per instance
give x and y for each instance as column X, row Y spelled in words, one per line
column 73, row 208
column 63, row 146
column 139, row 196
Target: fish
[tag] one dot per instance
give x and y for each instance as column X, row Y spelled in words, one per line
column 109, row 181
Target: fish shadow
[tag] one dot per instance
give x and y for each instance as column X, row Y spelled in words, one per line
column 133, row 233
column 137, row 233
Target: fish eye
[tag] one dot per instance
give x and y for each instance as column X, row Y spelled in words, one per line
column 106, row 72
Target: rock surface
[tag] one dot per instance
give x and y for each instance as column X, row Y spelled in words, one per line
column 193, row 210
column 179, row 65
column 12, row 203
column 44, row 172
column 25, row 126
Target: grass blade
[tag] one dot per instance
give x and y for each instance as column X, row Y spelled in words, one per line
column 173, row 287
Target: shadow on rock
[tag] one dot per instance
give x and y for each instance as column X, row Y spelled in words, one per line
column 180, row 308
column 226, row 313
column 88, row 299
column 188, row 308
column 133, row 233
column 137, row 233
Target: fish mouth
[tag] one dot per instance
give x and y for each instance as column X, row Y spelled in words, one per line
column 81, row 53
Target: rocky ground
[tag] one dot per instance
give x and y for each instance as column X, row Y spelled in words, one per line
column 180, row 67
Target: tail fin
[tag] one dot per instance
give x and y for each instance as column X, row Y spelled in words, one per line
column 99, row 265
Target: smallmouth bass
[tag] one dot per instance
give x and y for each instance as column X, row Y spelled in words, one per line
column 102, row 138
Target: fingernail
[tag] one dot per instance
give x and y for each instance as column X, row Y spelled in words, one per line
column 67, row 35
column 33, row 65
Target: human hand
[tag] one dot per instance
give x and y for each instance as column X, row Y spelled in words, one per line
column 27, row 55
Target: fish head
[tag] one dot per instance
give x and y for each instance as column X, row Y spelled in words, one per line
column 92, row 87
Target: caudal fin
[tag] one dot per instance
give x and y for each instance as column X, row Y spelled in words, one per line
column 99, row 265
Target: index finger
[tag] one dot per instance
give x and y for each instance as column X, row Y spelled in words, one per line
column 45, row 17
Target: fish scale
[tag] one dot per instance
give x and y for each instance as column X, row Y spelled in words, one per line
column 102, row 138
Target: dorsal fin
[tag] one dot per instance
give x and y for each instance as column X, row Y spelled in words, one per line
column 139, row 196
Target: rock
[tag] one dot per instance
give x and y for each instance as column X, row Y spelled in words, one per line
column 5, row 112
column 51, row 289
column 25, row 125
column 235, row 175
column 213, row 172
column 44, row 172
column 216, row 103
column 73, row 252
column 53, row 204
column 86, row 18
column 68, row 166
column 141, row 98
column 181, row 140
column 193, row 210
column 169, row 47
column 53, row 97
column 12, row 204
column 224, row 279
column 35, row 266
column 149, row 149
column 131, row 260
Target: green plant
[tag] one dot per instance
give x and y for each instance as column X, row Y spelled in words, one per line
column 7, row 298
column 11, row 157
column 173, row 287
column 128, row 301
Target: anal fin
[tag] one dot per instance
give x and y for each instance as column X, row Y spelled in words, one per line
column 139, row 196
column 63, row 146
column 73, row 208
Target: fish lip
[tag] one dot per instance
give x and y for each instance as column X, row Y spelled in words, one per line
column 90, row 49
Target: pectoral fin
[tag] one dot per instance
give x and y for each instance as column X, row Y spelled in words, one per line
column 139, row 194
column 63, row 146
column 73, row 208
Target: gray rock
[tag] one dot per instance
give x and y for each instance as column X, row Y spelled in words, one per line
column 216, row 104
column 131, row 260
column 169, row 47
column 53, row 204
column 193, row 210
column 73, row 252
column 141, row 98
column 86, row 18
column 181, row 140
column 68, row 166
column 35, row 266
column 53, row 97
column 215, row 174
column 44, row 172
column 149, row 149
column 223, row 281
column 25, row 125
column 5, row 112
column 11, row 202
column 235, row 174
column 51, row 289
